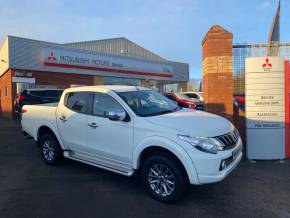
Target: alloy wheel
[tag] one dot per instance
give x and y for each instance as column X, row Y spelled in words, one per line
column 48, row 150
column 161, row 179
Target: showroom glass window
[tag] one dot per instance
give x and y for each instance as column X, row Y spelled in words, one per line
column 132, row 82
column 171, row 87
column 122, row 81
column 103, row 104
column 155, row 85
column 113, row 81
column 79, row 102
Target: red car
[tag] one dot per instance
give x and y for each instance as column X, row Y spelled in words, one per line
column 181, row 99
column 239, row 101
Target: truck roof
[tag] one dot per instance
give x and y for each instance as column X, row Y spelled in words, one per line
column 105, row 88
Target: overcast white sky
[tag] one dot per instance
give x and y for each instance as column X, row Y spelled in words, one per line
column 172, row 29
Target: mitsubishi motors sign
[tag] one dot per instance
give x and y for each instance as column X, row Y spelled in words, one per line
column 104, row 63
column 265, row 107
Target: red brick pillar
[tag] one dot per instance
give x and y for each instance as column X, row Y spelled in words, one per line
column 217, row 71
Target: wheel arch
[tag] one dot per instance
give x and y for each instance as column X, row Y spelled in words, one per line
column 47, row 129
column 151, row 146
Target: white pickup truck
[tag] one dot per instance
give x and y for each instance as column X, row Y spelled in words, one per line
column 128, row 129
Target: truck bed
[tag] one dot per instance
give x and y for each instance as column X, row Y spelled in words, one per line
column 34, row 115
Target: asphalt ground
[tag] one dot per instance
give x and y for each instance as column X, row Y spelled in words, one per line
column 30, row 188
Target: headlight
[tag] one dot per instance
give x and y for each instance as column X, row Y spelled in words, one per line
column 209, row 145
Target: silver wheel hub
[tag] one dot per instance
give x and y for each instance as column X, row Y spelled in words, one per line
column 161, row 179
column 48, row 150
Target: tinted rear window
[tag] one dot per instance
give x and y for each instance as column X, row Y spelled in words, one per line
column 46, row 93
column 79, row 102
column 192, row 95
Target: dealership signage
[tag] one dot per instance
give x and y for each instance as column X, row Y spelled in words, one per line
column 17, row 79
column 99, row 62
column 265, row 107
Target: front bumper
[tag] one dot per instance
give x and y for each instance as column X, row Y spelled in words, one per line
column 204, row 179
column 208, row 169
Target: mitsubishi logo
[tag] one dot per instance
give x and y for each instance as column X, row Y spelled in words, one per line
column 51, row 57
column 267, row 64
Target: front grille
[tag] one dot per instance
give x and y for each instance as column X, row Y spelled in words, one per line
column 229, row 140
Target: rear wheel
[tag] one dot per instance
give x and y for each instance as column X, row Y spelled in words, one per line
column 51, row 151
column 164, row 178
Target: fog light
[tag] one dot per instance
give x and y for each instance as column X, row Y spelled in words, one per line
column 223, row 165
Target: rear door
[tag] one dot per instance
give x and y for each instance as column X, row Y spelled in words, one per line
column 72, row 119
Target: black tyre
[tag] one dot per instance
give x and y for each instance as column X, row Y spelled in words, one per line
column 51, row 151
column 164, row 178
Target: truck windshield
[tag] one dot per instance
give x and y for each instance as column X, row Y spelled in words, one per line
column 148, row 103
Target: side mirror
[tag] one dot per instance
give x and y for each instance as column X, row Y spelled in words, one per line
column 117, row 115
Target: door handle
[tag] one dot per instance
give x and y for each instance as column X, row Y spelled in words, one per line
column 93, row 125
column 63, row 118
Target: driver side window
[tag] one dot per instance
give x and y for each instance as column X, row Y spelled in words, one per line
column 103, row 104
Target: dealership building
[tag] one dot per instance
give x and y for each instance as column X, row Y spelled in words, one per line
column 27, row 63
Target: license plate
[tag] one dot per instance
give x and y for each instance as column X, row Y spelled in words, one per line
column 237, row 152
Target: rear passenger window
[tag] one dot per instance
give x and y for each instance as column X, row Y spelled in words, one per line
column 46, row 93
column 192, row 95
column 79, row 102
column 39, row 94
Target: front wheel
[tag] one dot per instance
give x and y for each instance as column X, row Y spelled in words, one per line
column 51, row 151
column 164, row 178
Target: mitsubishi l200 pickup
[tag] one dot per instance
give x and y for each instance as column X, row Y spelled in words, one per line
column 127, row 130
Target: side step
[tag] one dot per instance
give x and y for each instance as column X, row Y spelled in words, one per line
column 69, row 155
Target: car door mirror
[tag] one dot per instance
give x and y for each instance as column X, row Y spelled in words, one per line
column 117, row 115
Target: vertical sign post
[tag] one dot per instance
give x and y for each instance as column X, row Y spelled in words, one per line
column 287, row 108
column 265, row 108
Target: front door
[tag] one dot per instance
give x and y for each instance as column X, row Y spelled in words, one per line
column 111, row 142
column 72, row 120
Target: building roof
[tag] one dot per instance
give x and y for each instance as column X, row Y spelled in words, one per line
column 117, row 46
column 28, row 54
